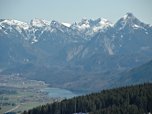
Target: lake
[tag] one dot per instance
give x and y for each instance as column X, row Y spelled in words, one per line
column 59, row 93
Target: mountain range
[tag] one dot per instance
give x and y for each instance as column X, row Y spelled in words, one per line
column 86, row 55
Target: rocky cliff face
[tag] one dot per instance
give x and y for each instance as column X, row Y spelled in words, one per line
column 60, row 53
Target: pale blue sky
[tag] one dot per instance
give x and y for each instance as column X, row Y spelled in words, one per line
column 75, row 10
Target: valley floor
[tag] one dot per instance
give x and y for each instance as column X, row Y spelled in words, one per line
column 18, row 94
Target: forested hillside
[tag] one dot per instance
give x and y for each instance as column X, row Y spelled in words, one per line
column 137, row 75
column 135, row 99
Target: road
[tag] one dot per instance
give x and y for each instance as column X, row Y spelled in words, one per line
column 11, row 110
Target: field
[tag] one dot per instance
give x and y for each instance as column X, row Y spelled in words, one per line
column 18, row 94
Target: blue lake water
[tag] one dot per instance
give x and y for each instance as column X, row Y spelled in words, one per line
column 59, row 93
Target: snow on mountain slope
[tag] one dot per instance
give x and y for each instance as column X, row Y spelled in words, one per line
column 86, row 28
column 81, row 29
column 14, row 23
column 90, row 27
column 129, row 21
column 8, row 26
column 66, row 24
column 108, row 46
column 102, row 24
column 39, row 23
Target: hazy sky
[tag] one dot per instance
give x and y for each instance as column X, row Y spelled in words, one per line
column 75, row 10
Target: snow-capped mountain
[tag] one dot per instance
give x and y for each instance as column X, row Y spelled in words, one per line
column 129, row 21
column 85, row 28
column 16, row 23
column 54, row 51
column 8, row 25
column 90, row 27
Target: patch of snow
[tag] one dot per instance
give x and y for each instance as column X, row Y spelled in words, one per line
column 96, row 29
column 39, row 22
column 136, row 26
column 81, row 26
column 108, row 46
column 16, row 23
column 91, row 26
column 52, row 30
column 84, row 26
column 125, row 16
column 18, row 29
column 34, row 40
column 103, row 23
column 57, row 26
column 66, row 24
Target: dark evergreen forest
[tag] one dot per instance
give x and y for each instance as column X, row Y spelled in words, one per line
column 136, row 99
